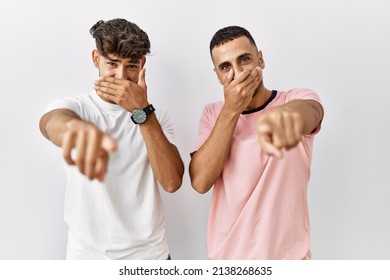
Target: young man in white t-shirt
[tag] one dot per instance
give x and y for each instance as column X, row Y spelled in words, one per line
column 119, row 149
column 259, row 203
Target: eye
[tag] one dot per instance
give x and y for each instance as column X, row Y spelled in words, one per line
column 112, row 64
column 224, row 67
column 132, row 67
column 245, row 59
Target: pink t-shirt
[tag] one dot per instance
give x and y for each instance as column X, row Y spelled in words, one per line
column 259, row 204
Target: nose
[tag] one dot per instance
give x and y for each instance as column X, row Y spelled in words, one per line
column 237, row 69
column 120, row 73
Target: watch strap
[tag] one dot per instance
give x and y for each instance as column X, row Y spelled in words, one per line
column 149, row 109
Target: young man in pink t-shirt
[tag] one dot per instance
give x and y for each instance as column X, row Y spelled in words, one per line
column 255, row 148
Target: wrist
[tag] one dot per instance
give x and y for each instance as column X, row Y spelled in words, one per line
column 140, row 115
column 229, row 113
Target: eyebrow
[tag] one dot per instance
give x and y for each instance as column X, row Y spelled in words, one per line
column 112, row 59
column 117, row 60
column 243, row 55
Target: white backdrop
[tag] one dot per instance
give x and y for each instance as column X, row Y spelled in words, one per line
column 341, row 49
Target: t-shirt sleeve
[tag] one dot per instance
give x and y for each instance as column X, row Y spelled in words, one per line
column 205, row 127
column 302, row 94
column 71, row 104
column 306, row 94
column 166, row 124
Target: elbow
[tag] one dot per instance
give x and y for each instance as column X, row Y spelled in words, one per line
column 200, row 190
column 172, row 181
column 199, row 183
column 42, row 125
column 173, row 185
column 201, row 186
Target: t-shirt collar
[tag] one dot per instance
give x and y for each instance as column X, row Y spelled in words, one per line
column 106, row 105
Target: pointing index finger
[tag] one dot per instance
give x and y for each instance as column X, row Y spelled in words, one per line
column 266, row 142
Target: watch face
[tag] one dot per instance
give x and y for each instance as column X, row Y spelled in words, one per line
column 139, row 116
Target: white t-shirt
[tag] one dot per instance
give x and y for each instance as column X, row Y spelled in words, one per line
column 122, row 217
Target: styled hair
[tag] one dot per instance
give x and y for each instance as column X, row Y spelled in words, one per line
column 120, row 37
column 229, row 33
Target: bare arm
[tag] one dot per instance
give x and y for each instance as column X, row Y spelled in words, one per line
column 65, row 129
column 207, row 163
column 283, row 127
column 164, row 157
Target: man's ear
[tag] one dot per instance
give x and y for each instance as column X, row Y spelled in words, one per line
column 142, row 61
column 95, row 58
column 219, row 80
column 261, row 60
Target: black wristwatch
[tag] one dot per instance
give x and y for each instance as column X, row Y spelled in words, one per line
column 139, row 116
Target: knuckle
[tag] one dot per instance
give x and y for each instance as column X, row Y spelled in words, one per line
column 275, row 116
column 67, row 158
column 80, row 161
column 298, row 118
column 278, row 142
column 290, row 143
column 278, row 145
column 92, row 131
column 90, row 161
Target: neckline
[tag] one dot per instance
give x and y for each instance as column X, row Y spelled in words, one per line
column 104, row 104
column 272, row 97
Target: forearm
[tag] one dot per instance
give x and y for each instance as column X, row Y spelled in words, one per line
column 167, row 166
column 53, row 124
column 310, row 111
column 208, row 162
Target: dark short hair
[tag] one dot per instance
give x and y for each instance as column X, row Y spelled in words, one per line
column 120, row 37
column 229, row 33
